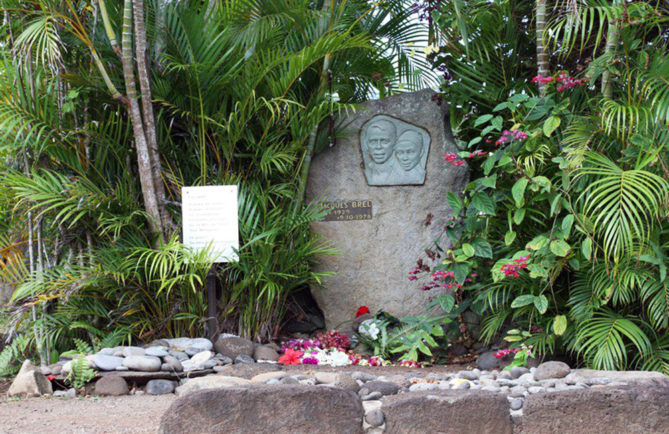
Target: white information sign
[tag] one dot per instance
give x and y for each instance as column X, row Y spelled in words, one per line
column 210, row 218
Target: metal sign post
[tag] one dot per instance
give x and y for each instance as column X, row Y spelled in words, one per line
column 210, row 221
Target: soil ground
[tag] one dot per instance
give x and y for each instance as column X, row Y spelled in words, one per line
column 135, row 413
column 122, row 414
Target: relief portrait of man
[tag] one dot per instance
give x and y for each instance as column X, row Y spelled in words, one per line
column 394, row 152
column 378, row 145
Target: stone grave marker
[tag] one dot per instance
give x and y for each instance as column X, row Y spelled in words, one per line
column 385, row 183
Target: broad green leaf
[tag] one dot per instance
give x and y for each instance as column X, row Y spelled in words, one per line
column 497, row 122
column 468, row 249
column 500, row 106
column 542, row 182
column 518, row 191
column 454, row 202
column 489, row 129
column 537, row 242
column 482, row 248
column 555, row 204
column 522, row 300
column 509, row 237
column 446, row 302
column 482, row 119
column 483, row 203
column 488, row 181
column 567, row 223
column 559, row 325
column 551, row 125
column 586, row 248
column 560, row 248
column 537, row 270
column 541, row 303
column 519, row 216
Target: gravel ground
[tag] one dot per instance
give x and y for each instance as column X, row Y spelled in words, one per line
column 123, row 414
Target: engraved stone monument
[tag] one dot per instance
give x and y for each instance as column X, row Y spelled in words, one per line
column 381, row 182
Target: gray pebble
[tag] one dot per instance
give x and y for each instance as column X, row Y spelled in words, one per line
column 516, row 404
column 423, row 387
column 517, row 371
column 516, row 391
column 372, row 396
column 155, row 351
column 243, row 358
column 469, row 375
column 159, row 387
column 363, row 376
column 375, row 417
column 536, row 389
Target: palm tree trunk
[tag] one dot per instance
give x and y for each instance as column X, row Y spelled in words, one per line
column 612, row 38
column 143, row 156
column 542, row 54
column 147, row 112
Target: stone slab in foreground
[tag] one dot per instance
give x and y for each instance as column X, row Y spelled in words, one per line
column 636, row 409
column 447, row 412
column 265, row 410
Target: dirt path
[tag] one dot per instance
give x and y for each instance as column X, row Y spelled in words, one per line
column 123, row 414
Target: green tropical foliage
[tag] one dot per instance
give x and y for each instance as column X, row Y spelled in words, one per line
column 564, row 223
column 242, row 92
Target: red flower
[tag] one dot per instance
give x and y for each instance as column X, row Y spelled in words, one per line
column 362, row 310
column 291, row 357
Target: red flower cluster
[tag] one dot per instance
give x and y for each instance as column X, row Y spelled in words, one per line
column 291, row 357
column 453, row 159
column 509, row 135
column 505, row 352
column 361, row 311
column 511, row 270
column 334, row 339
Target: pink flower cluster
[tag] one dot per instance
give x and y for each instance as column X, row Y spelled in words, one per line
column 565, row 81
column 511, row 270
column 477, row 154
column 453, row 159
column 301, row 344
column 505, row 352
column 412, row 274
column 541, row 79
column 509, row 135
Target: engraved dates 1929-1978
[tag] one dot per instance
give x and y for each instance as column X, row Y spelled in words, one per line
column 348, row 210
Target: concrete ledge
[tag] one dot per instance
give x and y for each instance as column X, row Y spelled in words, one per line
column 642, row 409
column 447, row 412
column 265, row 410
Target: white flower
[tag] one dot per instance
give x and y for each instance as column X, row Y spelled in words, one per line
column 332, row 357
column 369, row 329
